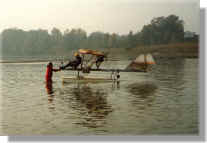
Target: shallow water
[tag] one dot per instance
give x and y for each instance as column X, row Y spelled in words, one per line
column 163, row 101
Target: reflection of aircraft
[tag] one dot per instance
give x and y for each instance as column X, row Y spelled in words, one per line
column 143, row 94
column 95, row 101
column 95, row 105
column 143, row 90
column 85, row 59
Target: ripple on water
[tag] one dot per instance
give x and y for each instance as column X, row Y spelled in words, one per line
column 163, row 101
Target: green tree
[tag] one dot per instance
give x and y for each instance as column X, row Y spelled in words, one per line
column 163, row 30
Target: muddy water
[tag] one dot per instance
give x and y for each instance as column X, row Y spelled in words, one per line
column 163, row 101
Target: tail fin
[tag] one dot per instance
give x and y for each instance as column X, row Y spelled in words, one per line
column 150, row 60
column 141, row 62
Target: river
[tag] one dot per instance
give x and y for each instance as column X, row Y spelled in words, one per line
column 163, row 101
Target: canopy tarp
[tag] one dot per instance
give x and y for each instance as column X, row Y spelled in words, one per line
column 92, row 52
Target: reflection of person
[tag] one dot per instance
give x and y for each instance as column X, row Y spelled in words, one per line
column 49, row 72
column 50, row 92
column 49, row 87
column 75, row 63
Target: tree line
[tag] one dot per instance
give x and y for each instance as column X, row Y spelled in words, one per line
column 161, row 30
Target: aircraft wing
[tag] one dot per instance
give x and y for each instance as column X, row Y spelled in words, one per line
column 108, row 70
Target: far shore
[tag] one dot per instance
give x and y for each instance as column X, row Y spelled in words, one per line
column 177, row 50
column 25, row 61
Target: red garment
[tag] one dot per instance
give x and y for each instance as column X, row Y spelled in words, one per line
column 49, row 71
column 49, row 87
column 48, row 76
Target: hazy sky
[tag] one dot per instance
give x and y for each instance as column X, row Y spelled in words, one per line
column 119, row 16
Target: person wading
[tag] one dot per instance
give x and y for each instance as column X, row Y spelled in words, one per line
column 75, row 63
column 49, row 72
column 99, row 60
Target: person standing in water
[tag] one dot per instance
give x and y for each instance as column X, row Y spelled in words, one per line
column 99, row 60
column 75, row 63
column 49, row 72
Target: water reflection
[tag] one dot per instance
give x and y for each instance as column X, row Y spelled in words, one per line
column 143, row 94
column 91, row 103
column 143, row 89
column 115, row 85
column 49, row 89
column 137, row 108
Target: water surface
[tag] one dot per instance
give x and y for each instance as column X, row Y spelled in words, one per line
column 163, row 101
